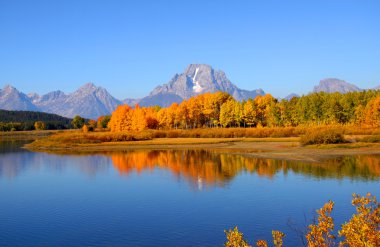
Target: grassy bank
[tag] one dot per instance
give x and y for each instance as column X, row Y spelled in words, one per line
column 26, row 135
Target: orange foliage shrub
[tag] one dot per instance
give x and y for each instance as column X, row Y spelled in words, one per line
column 363, row 229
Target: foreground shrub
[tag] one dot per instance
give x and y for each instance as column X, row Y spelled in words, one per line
column 362, row 230
column 322, row 136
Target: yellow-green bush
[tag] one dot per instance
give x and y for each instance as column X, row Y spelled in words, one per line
column 323, row 136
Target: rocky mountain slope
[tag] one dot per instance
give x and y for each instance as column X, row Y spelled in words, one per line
column 332, row 85
column 12, row 99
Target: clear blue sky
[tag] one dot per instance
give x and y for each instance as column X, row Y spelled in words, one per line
column 129, row 47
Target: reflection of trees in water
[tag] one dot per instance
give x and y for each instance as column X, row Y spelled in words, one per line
column 215, row 168
column 201, row 167
column 197, row 166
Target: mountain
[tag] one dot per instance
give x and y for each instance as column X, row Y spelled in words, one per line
column 161, row 99
column 291, row 96
column 332, row 85
column 12, row 99
column 88, row 101
column 197, row 79
column 50, row 102
column 130, row 102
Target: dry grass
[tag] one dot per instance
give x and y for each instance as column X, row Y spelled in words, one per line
column 26, row 135
column 227, row 133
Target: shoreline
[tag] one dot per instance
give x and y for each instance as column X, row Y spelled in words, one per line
column 287, row 148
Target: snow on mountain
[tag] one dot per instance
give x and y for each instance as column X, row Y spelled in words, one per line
column 201, row 78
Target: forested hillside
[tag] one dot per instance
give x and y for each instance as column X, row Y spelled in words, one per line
column 25, row 120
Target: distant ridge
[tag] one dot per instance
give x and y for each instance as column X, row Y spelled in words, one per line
column 88, row 101
column 332, row 85
column 291, row 96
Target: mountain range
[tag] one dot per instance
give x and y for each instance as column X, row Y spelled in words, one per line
column 90, row 101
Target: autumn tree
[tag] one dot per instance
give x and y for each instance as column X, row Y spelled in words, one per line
column 102, row 121
column 263, row 104
column 227, row 113
column 372, row 112
column 39, row 125
column 138, row 122
column 91, row 124
column 121, row 119
column 249, row 113
column 77, row 122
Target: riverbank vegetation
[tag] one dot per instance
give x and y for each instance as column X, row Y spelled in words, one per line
column 362, row 230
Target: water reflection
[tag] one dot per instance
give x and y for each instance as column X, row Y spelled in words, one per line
column 212, row 168
column 201, row 168
column 12, row 146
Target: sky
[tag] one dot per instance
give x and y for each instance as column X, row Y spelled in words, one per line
column 130, row 47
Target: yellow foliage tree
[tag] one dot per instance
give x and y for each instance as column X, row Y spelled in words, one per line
column 121, row 119
column 372, row 112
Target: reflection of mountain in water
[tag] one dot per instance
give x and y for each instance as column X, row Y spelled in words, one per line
column 212, row 168
column 14, row 164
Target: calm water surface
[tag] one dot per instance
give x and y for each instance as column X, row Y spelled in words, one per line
column 167, row 198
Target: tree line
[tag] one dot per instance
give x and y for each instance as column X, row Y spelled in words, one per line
column 221, row 110
column 30, row 120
